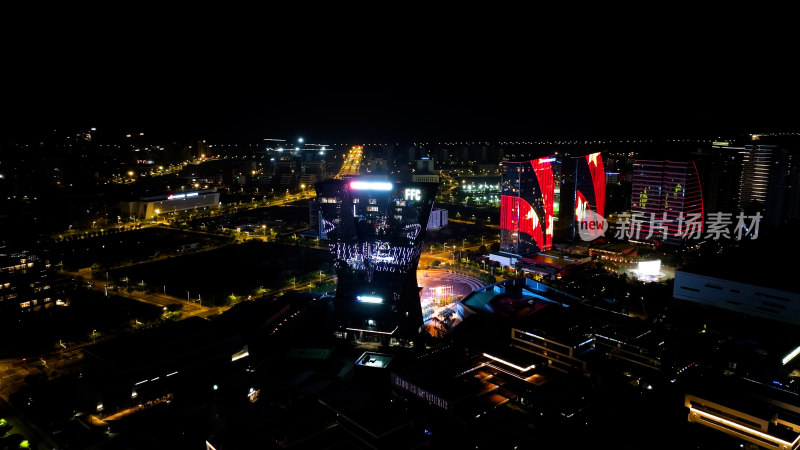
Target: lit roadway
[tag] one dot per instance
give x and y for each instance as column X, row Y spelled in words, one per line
column 352, row 162
column 190, row 309
column 12, row 377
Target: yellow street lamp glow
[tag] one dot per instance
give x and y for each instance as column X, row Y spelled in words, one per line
column 158, row 211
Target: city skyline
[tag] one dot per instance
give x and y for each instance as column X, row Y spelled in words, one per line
column 442, row 250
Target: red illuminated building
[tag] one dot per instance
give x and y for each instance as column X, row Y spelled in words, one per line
column 526, row 206
column 590, row 187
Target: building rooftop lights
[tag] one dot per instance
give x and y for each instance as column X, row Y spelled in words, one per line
column 521, row 369
column 369, row 299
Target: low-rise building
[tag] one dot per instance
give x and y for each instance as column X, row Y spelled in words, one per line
column 26, row 282
column 743, row 294
column 756, row 413
column 150, row 207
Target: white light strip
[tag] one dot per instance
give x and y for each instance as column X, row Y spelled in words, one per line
column 372, row 331
column 171, row 374
column 507, row 372
column 239, row 355
column 369, row 299
column 521, row 369
column 533, row 335
column 371, row 185
column 743, row 428
column 791, row 356
column 143, row 381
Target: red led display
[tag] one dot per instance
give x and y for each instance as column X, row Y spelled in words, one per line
column 518, row 216
column 595, row 162
column 544, row 174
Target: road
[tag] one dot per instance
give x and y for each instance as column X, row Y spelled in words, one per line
column 426, row 259
column 12, row 377
column 38, row 439
column 352, row 162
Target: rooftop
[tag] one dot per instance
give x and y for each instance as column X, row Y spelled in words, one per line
column 752, row 263
column 515, row 298
column 376, row 360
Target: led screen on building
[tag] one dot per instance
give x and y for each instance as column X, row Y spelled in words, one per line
column 527, row 206
column 590, row 188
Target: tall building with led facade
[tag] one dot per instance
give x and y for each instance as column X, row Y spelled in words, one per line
column 664, row 195
column 375, row 230
column 527, row 206
column 757, row 160
column 590, row 187
column 770, row 178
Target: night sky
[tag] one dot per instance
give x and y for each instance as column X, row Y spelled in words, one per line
column 250, row 95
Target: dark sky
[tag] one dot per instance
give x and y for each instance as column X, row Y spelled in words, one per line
column 252, row 94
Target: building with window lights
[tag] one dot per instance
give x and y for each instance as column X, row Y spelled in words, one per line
column 150, row 207
column 664, row 194
column 26, row 283
column 375, row 229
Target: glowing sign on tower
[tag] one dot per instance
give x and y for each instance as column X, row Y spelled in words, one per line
column 413, row 194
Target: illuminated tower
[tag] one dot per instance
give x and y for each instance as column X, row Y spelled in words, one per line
column 590, row 187
column 757, row 160
column 526, row 206
column 665, row 189
column 375, row 230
